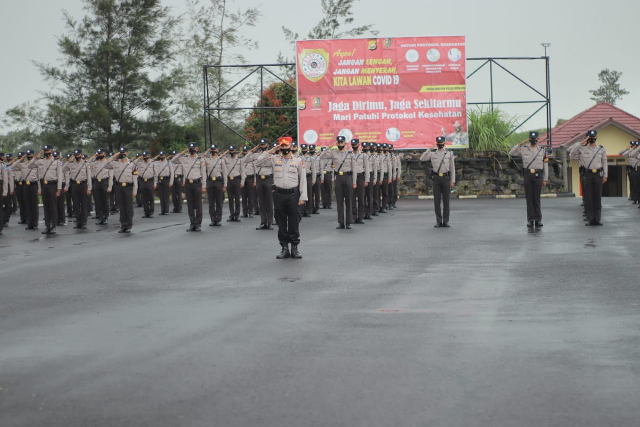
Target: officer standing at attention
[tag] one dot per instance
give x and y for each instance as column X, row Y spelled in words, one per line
column 31, row 190
column 536, row 173
column 126, row 187
column 248, row 192
column 315, row 198
column 397, row 173
column 235, row 183
column 6, row 189
column 78, row 175
column 290, row 191
column 178, row 175
column 195, row 183
column 163, row 171
column 309, row 167
column 593, row 159
column 50, row 173
column 112, row 194
column 7, row 199
column 67, row 194
column 101, row 184
column 344, row 162
column 264, row 179
column 632, row 169
column 369, row 149
column 60, row 199
column 147, row 183
column 362, row 181
column 326, row 169
column 216, row 184
column 444, row 178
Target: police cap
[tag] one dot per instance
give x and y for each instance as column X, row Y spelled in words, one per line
column 77, row 151
column 312, row 147
column 340, row 138
column 592, row 133
column 533, row 135
column 440, row 140
column 355, row 141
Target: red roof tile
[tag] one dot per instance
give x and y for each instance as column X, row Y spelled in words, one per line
column 596, row 117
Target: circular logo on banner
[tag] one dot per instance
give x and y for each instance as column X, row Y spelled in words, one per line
column 314, row 63
column 393, row 134
column 310, row 136
column 455, row 54
column 433, row 55
column 412, row 55
column 346, row 133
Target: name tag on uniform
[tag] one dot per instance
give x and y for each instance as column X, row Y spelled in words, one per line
column 532, row 171
column 340, row 173
column 594, row 170
column 124, row 184
column 190, row 181
column 231, row 178
column 46, row 182
column 441, row 174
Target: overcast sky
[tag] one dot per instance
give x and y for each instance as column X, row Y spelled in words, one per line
column 586, row 37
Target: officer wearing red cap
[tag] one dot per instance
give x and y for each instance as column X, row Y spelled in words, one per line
column 289, row 192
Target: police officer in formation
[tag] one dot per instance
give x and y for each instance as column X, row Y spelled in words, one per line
column 326, row 180
column 632, row 154
column 6, row 189
column 310, row 167
column 593, row 168
column 147, row 183
column 362, row 171
column 235, row 182
column 176, row 191
column 535, row 170
column 264, row 183
column 315, row 188
column 216, row 169
column 49, row 171
column 194, row 175
column 125, row 183
column 290, row 191
column 163, row 175
column 444, row 178
column 60, row 198
column 78, row 174
column 248, row 191
column 369, row 149
column 345, row 181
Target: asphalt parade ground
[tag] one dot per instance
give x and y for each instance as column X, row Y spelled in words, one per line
column 392, row 323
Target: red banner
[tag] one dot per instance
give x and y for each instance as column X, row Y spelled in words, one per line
column 405, row 91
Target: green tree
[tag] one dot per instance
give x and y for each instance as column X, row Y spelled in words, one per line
column 277, row 123
column 489, row 130
column 610, row 91
column 115, row 81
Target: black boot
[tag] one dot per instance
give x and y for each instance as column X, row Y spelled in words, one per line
column 284, row 253
column 294, row 252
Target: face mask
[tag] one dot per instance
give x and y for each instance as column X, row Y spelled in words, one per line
column 78, row 157
column 440, row 146
column 233, row 153
column 100, row 157
column 192, row 151
column 161, row 158
column 285, row 151
column 146, row 159
column 340, row 147
column 123, row 155
column 304, row 153
column 30, row 156
column 47, row 154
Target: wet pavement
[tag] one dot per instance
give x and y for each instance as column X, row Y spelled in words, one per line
column 392, row 323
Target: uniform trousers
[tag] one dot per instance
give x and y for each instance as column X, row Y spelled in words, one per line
column 124, row 197
column 344, row 196
column 60, row 205
column 176, row 193
column 145, row 188
column 592, row 195
column 164, row 192
column 216, row 199
column 308, row 205
column 100, row 195
column 248, row 195
column 287, row 216
column 233, row 191
column 193, row 191
column 49, row 204
column 113, row 204
column 358, row 209
column 19, row 192
column 384, row 190
column 634, row 182
column 377, row 189
column 441, row 196
column 80, row 202
column 532, row 190
column 69, row 200
column 368, row 196
column 265, row 196
column 326, row 189
column 31, row 204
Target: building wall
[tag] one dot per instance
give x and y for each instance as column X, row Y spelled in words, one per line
column 614, row 140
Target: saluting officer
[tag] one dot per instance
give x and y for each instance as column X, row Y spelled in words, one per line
column 309, row 167
column 290, row 191
column 248, row 191
column 147, row 183
column 195, row 183
column 78, row 175
column 593, row 159
column 346, row 180
column 536, row 173
column 6, row 189
column 6, row 200
column 377, row 179
column 216, row 184
column 163, row 170
column 176, row 192
column 315, row 197
column 67, row 194
column 101, row 186
column 326, row 168
column 396, row 164
column 369, row 149
column 444, row 178
column 14, row 198
column 264, row 183
column 362, row 181
column 50, row 173
column 235, row 183
column 632, row 169
column 31, row 190
column 60, row 198
column 125, row 183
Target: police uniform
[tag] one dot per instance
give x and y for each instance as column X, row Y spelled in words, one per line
column 216, row 169
column 195, row 184
column 362, row 171
column 78, row 175
column 6, row 189
column 235, row 182
column 535, row 171
column 315, row 188
column 309, row 166
column 290, row 187
column 67, row 194
column 377, row 179
column 593, row 160
column 102, row 182
column 176, row 192
column 125, row 181
column 633, row 170
column 369, row 151
column 326, row 181
column 264, row 183
column 50, row 174
column 248, row 191
column 397, row 172
column 164, row 177
column 147, row 182
column 61, row 198
column 443, row 175
column 344, row 165
column 113, row 205
column 31, row 186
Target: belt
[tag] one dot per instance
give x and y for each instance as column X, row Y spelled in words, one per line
column 309, row 174
column 29, row 182
column 594, row 170
column 251, row 176
column 162, row 178
column 285, row 190
column 194, row 181
column 441, row 173
column 345, row 173
column 177, row 176
column 45, row 182
column 361, row 174
column 214, row 178
column 234, row 177
column 19, row 182
column 532, row 171
column 147, row 179
column 100, row 179
column 266, row 176
column 124, row 184
column 79, row 182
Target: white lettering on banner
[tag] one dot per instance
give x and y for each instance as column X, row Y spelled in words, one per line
column 338, row 117
column 368, row 105
column 343, row 71
column 338, row 106
column 351, row 62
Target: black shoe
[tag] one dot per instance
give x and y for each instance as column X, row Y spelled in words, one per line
column 213, row 224
column 284, row 253
column 83, row 227
column 294, row 252
column 230, row 219
column 163, row 213
column 46, row 230
column 262, row 227
column 62, row 224
column 446, row 224
column 340, row 226
column 197, row 228
column 438, row 225
column 127, row 230
column 256, row 213
column 76, row 227
column 597, row 223
column 367, row 217
column 269, row 227
column 217, row 224
column 52, row 230
column 375, row 214
column 358, row 221
column 348, row 227
column 315, row 212
column 329, row 207
column 191, row 228
column 22, row 222
column 245, row 216
column 306, row 215
column 250, row 215
column 539, row 224
column 530, row 224
column 122, row 230
column 382, row 211
column 237, row 220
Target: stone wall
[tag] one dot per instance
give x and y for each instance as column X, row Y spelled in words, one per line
column 476, row 174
